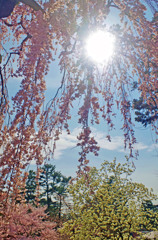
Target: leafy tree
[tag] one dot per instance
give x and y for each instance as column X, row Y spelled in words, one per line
column 108, row 205
column 151, row 213
column 148, row 204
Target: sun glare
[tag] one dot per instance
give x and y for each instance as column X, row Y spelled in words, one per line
column 100, row 46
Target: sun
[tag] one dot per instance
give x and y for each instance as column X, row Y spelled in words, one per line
column 100, row 46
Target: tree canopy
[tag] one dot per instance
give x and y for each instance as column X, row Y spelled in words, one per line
column 145, row 113
column 53, row 189
column 32, row 40
column 109, row 205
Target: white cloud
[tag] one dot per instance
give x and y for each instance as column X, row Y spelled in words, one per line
column 66, row 141
column 153, row 147
column 117, row 142
column 140, row 146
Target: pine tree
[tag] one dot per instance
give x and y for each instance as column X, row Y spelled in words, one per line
column 31, row 187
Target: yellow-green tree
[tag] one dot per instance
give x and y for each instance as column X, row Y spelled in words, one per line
column 108, row 205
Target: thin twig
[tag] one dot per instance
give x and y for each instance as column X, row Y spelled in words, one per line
column 62, row 82
column 9, row 59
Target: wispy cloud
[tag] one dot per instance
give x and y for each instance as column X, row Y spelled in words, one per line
column 66, row 141
column 140, row 146
column 153, row 147
column 117, row 142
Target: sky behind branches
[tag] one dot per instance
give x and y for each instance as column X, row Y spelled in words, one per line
column 66, row 154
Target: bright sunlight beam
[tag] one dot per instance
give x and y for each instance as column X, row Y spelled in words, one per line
column 100, row 46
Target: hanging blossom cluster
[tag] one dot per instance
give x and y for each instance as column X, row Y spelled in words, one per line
column 30, row 41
